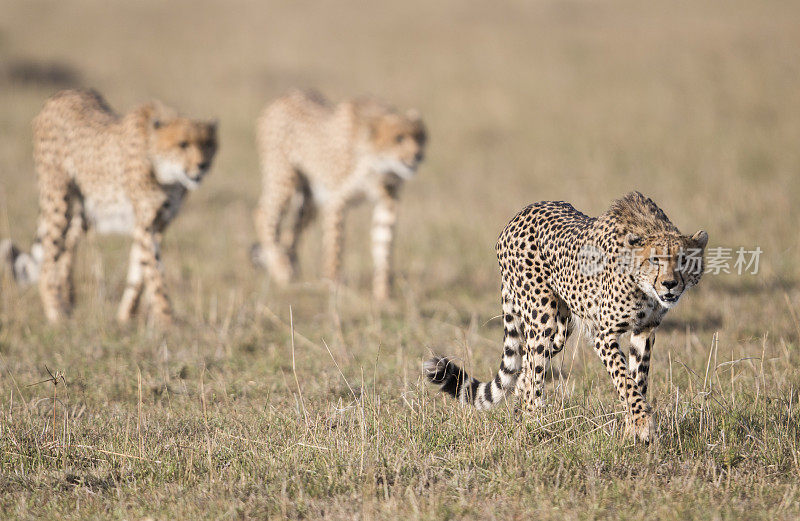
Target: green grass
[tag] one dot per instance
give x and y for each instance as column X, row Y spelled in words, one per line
column 225, row 416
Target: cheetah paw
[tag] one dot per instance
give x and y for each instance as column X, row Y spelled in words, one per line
column 640, row 428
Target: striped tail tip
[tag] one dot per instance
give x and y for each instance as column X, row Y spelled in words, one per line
column 457, row 383
column 24, row 266
column 451, row 378
column 442, row 372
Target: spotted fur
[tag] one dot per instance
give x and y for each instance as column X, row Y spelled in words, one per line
column 119, row 174
column 619, row 272
column 315, row 154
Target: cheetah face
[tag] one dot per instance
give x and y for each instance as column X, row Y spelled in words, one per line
column 666, row 266
column 398, row 143
column 181, row 151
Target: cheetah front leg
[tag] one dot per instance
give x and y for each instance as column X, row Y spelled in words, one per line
column 149, row 245
column 639, row 359
column 133, row 288
column 384, row 218
column 332, row 239
column 639, row 419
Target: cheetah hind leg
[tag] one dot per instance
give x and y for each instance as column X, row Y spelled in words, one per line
column 564, row 328
column 539, row 317
column 61, row 223
column 299, row 215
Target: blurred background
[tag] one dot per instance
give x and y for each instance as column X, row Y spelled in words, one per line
column 694, row 103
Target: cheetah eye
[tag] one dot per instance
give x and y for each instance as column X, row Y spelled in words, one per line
column 653, row 260
column 184, row 144
column 399, row 138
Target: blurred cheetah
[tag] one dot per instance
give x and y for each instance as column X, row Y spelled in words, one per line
column 618, row 273
column 314, row 153
column 120, row 174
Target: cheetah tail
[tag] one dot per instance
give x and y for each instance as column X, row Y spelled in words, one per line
column 24, row 266
column 458, row 384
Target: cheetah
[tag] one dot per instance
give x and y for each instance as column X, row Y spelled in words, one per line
column 619, row 272
column 317, row 154
column 118, row 174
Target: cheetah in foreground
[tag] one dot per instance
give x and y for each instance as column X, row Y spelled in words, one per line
column 120, row 174
column 317, row 154
column 619, row 272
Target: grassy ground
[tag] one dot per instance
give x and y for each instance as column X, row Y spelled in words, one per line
column 307, row 403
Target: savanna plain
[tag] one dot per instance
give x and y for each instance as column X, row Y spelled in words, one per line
column 308, row 402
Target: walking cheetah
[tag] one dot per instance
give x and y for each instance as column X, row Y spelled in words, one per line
column 120, row 174
column 316, row 154
column 619, row 272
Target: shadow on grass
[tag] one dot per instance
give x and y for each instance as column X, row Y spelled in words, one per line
column 741, row 286
column 763, row 430
column 699, row 324
column 36, row 73
column 90, row 482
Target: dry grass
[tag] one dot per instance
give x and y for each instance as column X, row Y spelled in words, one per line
column 694, row 103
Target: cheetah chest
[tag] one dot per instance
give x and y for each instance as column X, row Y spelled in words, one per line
column 110, row 214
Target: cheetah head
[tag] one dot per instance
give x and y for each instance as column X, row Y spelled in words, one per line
column 398, row 143
column 181, row 150
column 665, row 266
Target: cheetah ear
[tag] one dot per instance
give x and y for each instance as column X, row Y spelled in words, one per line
column 149, row 115
column 212, row 126
column 634, row 241
column 158, row 114
column 700, row 238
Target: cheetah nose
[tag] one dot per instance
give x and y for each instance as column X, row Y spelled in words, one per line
column 204, row 165
column 669, row 284
column 418, row 157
